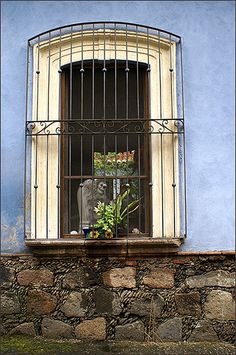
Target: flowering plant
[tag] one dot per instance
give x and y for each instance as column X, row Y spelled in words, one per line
column 97, row 233
column 115, row 213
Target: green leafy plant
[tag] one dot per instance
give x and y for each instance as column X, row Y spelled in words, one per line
column 115, row 212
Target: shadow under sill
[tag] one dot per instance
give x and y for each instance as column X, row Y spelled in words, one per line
column 124, row 247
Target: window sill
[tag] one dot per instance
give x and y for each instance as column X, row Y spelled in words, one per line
column 133, row 247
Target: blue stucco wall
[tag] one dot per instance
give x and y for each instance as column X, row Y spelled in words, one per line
column 207, row 28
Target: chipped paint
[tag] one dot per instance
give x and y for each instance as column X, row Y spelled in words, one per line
column 11, row 235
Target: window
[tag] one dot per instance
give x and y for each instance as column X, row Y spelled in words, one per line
column 107, row 123
column 116, row 160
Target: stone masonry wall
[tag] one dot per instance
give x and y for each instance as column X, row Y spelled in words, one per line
column 174, row 298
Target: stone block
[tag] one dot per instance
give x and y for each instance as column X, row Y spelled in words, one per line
column 83, row 277
column 142, row 307
column 52, row 328
column 131, row 263
column 75, row 305
column 133, row 331
column 40, row 302
column 9, row 304
column 120, row 277
column 203, row 332
column 41, row 277
column 171, row 330
column 188, row 303
column 160, row 278
column 220, row 305
column 24, row 329
column 6, row 275
column 94, row 329
column 107, row 302
column 213, row 278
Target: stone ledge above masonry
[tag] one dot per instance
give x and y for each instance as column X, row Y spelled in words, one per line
column 115, row 247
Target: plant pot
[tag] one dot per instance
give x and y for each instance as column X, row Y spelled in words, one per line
column 97, row 233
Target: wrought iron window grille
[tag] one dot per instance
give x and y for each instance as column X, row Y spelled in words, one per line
column 105, row 125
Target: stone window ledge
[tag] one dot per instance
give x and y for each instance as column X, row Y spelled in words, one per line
column 115, row 247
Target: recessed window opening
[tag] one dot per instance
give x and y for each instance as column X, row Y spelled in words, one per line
column 105, row 143
column 111, row 160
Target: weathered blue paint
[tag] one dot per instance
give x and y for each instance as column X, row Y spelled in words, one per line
column 207, row 28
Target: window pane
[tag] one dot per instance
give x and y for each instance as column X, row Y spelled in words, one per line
column 106, row 165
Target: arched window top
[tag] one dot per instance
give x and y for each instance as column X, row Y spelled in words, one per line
column 100, row 26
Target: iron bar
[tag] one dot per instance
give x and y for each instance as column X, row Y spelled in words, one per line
column 104, row 102
column 105, row 22
column 171, row 70
column 138, row 136
column 115, row 115
column 162, row 191
column 46, row 187
column 35, row 186
column 58, row 185
column 104, row 163
column 71, row 75
column 37, row 76
column 115, row 98
column 81, row 117
column 139, row 184
column 36, row 144
column 104, row 70
column 100, row 120
column 160, row 80
column 59, row 145
column 127, row 117
column 173, row 184
column 93, row 116
column 184, row 144
column 137, row 71
column 69, row 137
column 93, row 79
column 127, row 182
column 82, row 76
column 47, row 138
column 173, row 142
column 116, row 182
column 93, row 203
column 81, row 182
column 103, row 132
column 149, row 188
column 127, row 78
column 160, row 105
column 49, row 72
column 132, row 177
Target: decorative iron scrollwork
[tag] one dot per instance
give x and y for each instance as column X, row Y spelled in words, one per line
column 108, row 126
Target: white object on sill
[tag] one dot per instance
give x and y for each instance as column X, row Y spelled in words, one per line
column 135, row 231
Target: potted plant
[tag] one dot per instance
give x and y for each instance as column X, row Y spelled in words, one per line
column 111, row 217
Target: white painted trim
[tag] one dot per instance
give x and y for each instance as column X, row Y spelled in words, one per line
column 155, row 113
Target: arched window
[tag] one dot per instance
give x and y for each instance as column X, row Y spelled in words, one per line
column 105, row 133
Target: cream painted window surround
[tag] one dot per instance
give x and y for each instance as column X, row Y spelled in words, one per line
column 70, row 48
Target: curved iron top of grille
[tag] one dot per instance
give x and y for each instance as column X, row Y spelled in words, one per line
column 104, row 23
